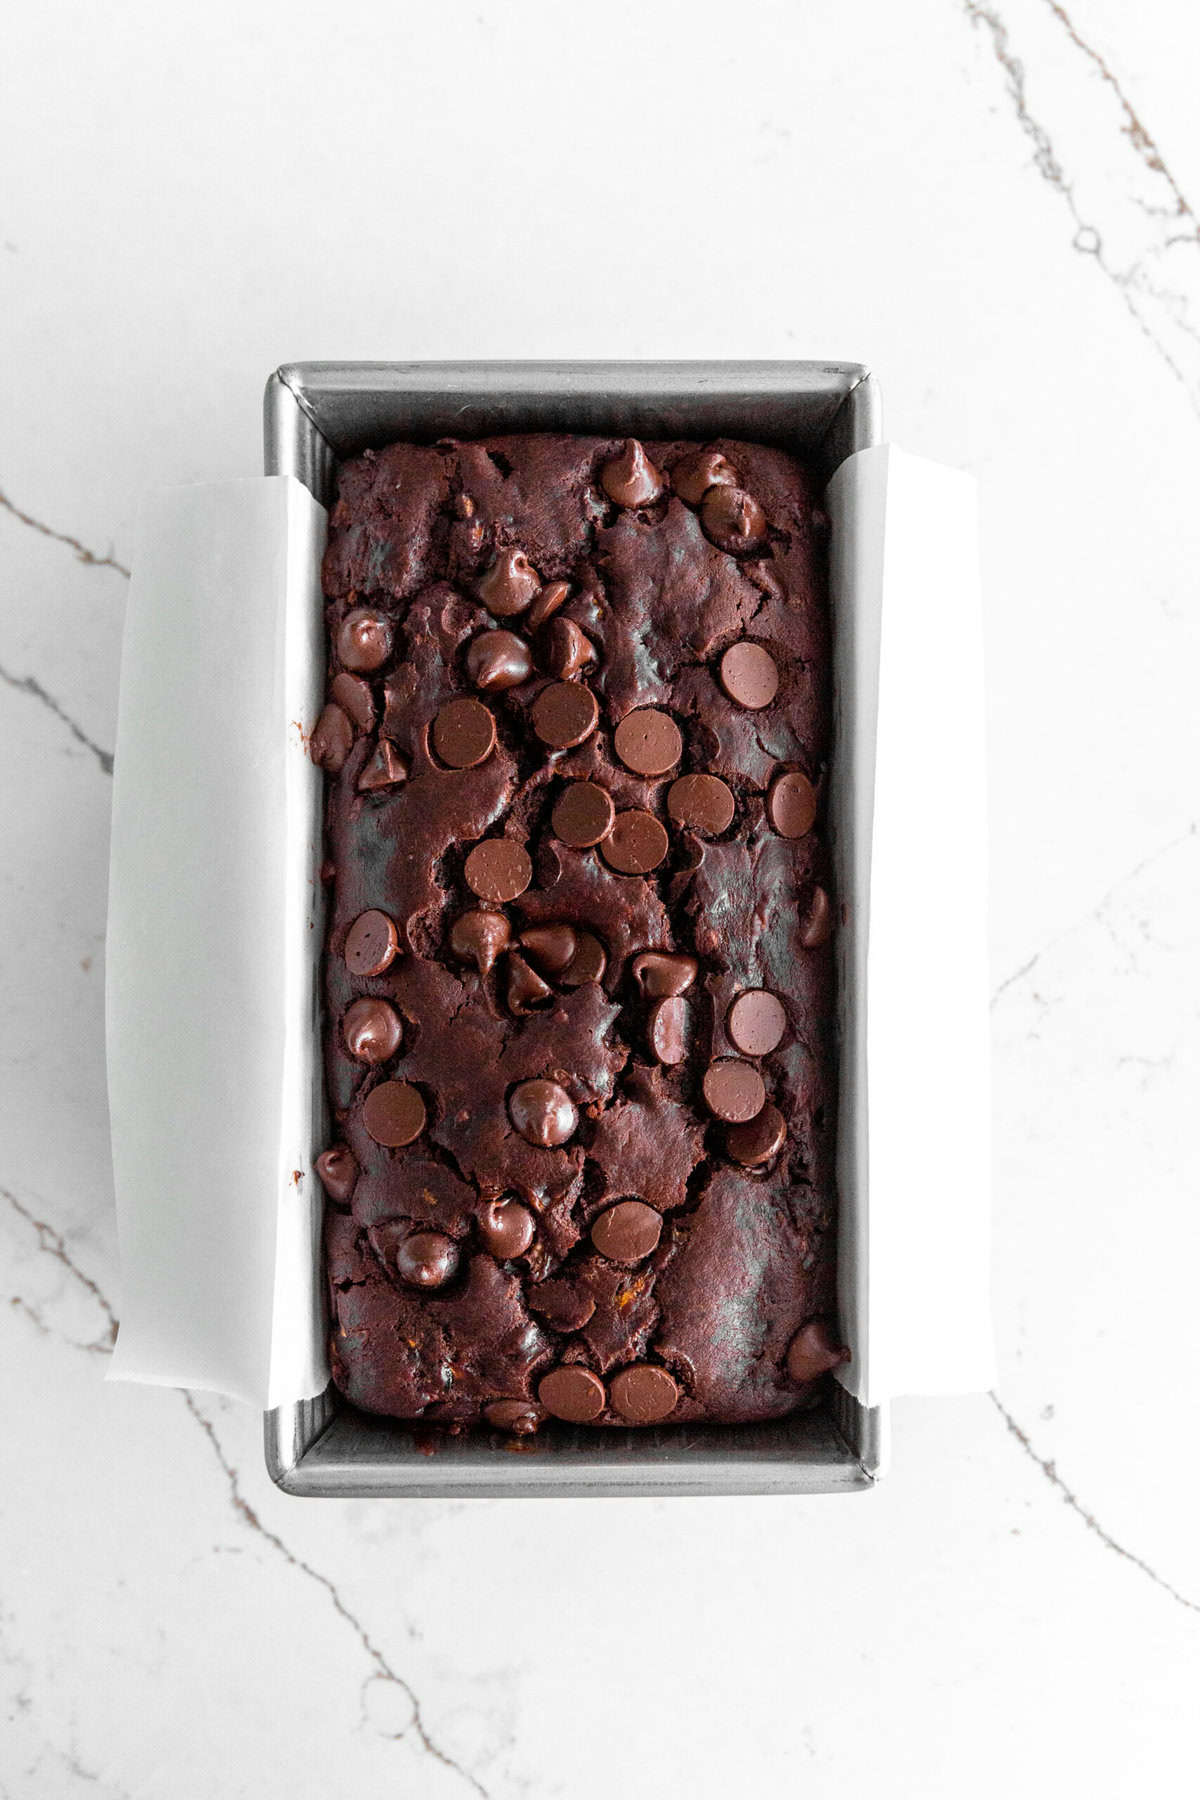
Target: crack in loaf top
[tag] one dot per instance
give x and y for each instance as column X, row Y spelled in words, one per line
column 578, row 978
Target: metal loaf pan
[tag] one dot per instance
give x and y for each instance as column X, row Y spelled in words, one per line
column 319, row 413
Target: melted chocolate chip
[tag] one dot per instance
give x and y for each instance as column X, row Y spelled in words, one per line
column 543, row 1113
column 519, row 1416
column 693, row 475
column 383, row 769
column 636, row 844
column 644, row 1394
column 426, row 1259
column 338, row 1172
column 506, row 1228
column 509, row 586
column 526, row 989
column 733, row 1090
column 660, row 974
column 566, row 650
column 792, row 804
column 818, row 924
column 552, row 596
column 498, row 870
column 627, row 1232
column 364, row 639
column 564, row 714
column 371, row 944
column 733, row 519
column 583, row 815
column 814, row 1350
column 648, row 741
column 701, row 803
column 497, row 660
column 667, row 1030
column 588, row 962
column 371, row 1029
column 631, row 478
column 464, row 734
column 756, row 1022
column 749, row 675
column 479, row 937
column 759, row 1140
column 572, row 1393
column 332, row 740
column 552, row 947
column 393, row 1114
column 355, row 698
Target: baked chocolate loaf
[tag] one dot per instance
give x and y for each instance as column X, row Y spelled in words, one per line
column 578, row 977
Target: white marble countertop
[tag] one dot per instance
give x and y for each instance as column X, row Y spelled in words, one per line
column 990, row 206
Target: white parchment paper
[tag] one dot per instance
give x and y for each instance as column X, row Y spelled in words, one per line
column 909, row 806
column 211, row 1009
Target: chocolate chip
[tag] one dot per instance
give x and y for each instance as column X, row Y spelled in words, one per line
column 364, row 639
column 479, row 937
column 660, row 973
column 498, row 870
column 733, row 519
column 566, row 650
column 498, row 660
column 563, row 1305
column 332, row 739
column 338, row 1172
column 636, row 844
column 814, row 1350
column 393, row 1114
column 464, row 734
column 667, row 1030
column 384, row 768
column 552, row 596
column 510, row 585
column 506, row 1228
column 519, row 1416
column 583, row 815
column 627, row 1232
column 648, row 741
column 693, row 475
column 543, row 1113
column 818, row 925
column 572, row 1393
column 631, row 479
column 564, row 714
column 733, row 1090
column 371, row 1029
column 588, row 962
column 756, row 1022
column 551, row 946
column 792, row 804
column 644, row 1394
column 526, row 989
column 759, row 1139
column 355, row 698
column 426, row 1258
column 749, row 675
column 701, row 803
column 371, row 944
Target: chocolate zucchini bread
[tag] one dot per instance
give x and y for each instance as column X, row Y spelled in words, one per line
column 578, row 976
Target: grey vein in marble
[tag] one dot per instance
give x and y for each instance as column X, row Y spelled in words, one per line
column 52, row 1243
column 1071, row 1499
column 83, row 554
column 29, row 684
column 1157, row 227
column 1096, row 912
